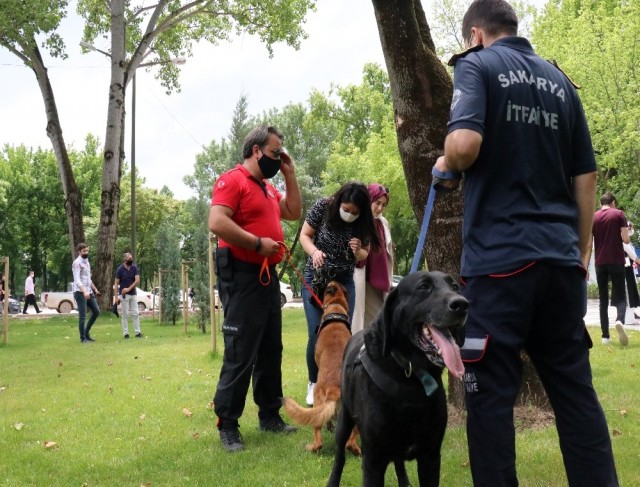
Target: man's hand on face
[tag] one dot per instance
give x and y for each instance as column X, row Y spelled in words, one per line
column 286, row 164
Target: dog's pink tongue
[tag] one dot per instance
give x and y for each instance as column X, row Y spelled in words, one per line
column 450, row 352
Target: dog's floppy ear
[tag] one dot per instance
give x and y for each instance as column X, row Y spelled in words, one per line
column 378, row 338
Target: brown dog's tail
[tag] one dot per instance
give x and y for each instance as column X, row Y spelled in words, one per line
column 316, row 416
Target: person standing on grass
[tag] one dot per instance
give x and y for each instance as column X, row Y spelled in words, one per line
column 30, row 294
column 610, row 231
column 337, row 232
column 518, row 132
column 127, row 280
column 373, row 276
column 84, row 292
column 245, row 214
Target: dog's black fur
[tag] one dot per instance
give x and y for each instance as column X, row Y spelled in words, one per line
column 408, row 424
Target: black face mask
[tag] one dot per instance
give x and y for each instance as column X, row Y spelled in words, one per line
column 269, row 167
column 129, row 262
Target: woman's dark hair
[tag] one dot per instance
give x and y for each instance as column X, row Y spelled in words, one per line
column 364, row 227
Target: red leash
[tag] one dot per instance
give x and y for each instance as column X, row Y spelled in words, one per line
column 265, row 267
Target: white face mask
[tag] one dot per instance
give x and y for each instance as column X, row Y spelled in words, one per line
column 348, row 217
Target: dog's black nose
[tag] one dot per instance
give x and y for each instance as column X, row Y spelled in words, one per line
column 458, row 304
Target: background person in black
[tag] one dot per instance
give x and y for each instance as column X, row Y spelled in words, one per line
column 338, row 231
column 127, row 280
column 518, row 131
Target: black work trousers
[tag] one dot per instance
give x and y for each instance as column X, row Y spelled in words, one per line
column 30, row 299
column 252, row 331
column 539, row 309
column 615, row 273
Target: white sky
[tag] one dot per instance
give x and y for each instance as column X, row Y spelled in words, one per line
column 171, row 130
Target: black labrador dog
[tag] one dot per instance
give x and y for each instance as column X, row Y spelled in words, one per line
column 392, row 380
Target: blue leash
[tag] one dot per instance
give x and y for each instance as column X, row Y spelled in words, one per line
column 438, row 177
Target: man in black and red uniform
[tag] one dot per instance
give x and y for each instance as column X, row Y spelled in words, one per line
column 518, row 132
column 245, row 214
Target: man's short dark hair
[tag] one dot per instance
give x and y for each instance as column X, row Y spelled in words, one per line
column 493, row 16
column 608, row 198
column 258, row 136
column 81, row 246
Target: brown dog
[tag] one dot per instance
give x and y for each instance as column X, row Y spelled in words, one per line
column 333, row 335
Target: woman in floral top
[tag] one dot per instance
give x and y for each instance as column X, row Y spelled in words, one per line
column 338, row 231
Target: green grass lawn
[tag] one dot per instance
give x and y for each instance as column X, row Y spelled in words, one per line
column 137, row 412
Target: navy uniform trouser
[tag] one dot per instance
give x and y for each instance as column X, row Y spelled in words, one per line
column 252, row 331
column 539, row 309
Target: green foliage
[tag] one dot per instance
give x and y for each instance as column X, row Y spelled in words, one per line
column 170, row 29
column 446, row 26
column 168, row 248
column 605, row 64
column 366, row 149
column 24, row 21
column 197, row 249
column 33, row 223
column 145, row 385
column 220, row 156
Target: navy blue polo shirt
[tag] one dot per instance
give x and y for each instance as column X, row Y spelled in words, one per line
column 519, row 203
column 127, row 277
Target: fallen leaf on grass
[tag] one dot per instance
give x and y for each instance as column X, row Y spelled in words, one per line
column 60, row 364
column 141, row 417
column 66, row 338
column 196, row 435
column 148, row 484
column 464, row 464
column 50, row 444
column 109, row 362
column 2, row 389
column 188, row 372
column 616, row 432
column 18, row 426
column 110, row 389
column 146, row 377
column 210, row 405
column 187, row 413
column 623, row 412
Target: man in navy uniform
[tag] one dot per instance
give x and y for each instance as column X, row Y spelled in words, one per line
column 518, row 132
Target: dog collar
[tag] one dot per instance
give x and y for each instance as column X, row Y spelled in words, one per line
column 427, row 380
column 387, row 383
column 332, row 318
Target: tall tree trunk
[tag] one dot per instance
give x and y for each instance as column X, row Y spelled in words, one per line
column 421, row 90
column 113, row 157
column 72, row 195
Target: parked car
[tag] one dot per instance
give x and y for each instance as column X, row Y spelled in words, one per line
column 64, row 302
column 286, row 294
column 145, row 300
column 14, row 306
